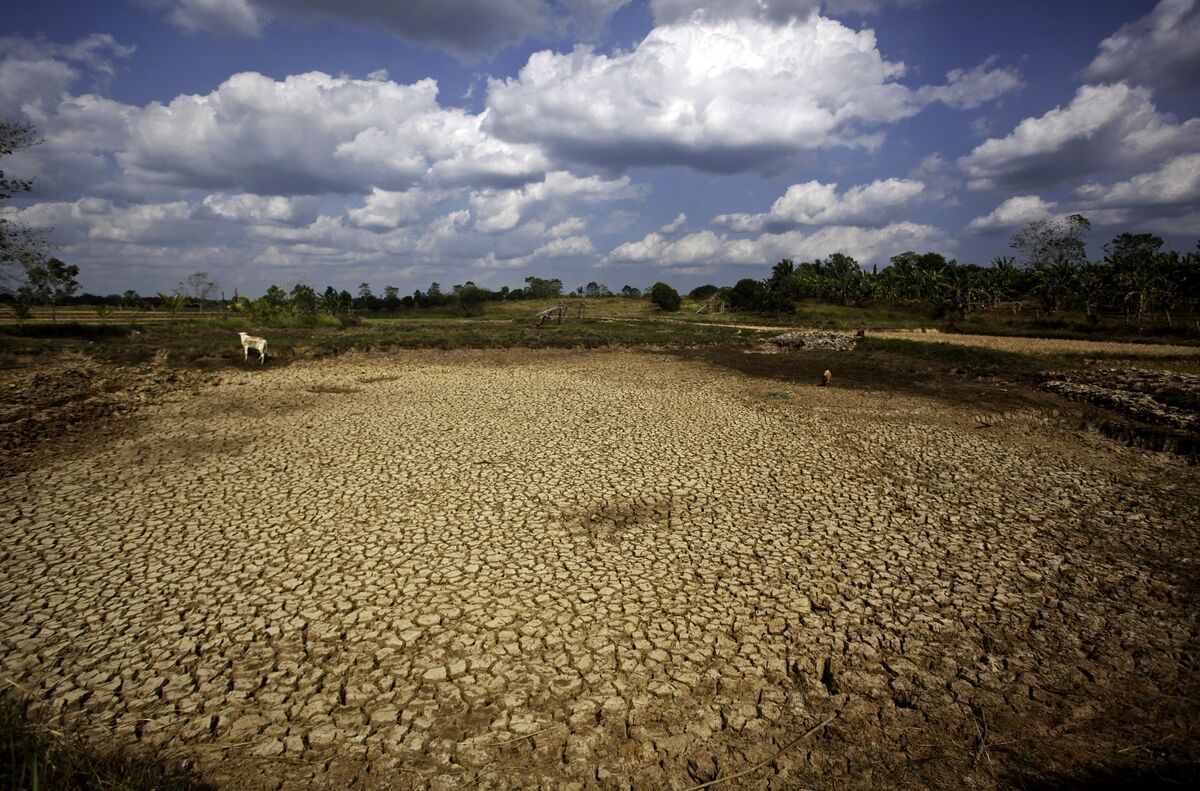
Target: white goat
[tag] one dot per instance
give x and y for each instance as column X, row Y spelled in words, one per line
column 258, row 344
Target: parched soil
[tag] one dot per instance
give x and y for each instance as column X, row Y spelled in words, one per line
column 604, row 570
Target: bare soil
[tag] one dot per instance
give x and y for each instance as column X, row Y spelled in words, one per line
column 598, row 570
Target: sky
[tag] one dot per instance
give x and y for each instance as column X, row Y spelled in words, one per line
column 623, row 142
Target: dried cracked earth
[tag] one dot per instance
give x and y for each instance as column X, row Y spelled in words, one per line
column 601, row 570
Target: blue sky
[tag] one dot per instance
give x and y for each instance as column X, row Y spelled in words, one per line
column 334, row 142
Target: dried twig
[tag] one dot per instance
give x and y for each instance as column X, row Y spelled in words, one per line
column 782, row 750
column 526, row 736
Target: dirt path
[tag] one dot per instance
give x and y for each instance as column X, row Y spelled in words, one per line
column 603, row 570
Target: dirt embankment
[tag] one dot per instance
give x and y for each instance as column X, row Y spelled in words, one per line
column 604, row 570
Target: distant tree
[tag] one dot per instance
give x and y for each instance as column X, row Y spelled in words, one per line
column 665, row 297
column 1139, row 267
column 132, row 300
column 275, row 297
column 303, row 299
column 48, row 283
column 337, row 303
column 538, row 288
column 747, row 294
column 629, row 292
column 391, row 298
column 199, row 287
column 594, row 290
column 364, row 291
column 470, row 299
column 1045, row 243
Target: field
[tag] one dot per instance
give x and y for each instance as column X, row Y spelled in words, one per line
column 619, row 553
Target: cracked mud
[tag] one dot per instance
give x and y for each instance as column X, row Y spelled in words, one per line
column 601, row 570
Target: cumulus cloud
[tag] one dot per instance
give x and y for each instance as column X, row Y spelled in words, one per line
column 1158, row 51
column 554, row 250
column 868, row 245
column 719, row 95
column 503, row 210
column 1016, row 212
column 1176, row 182
column 674, row 226
column 814, row 203
column 384, row 210
column 966, row 89
column 35, row 73
column 1104, row 127
column 313, row 133
column 257, row 209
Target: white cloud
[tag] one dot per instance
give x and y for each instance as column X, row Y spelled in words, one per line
column 552, row 251
column 572, row 226
column 720, row 95
column 257, row 209
column 1176, row 182
column 1016, row 212
column 868, row 245
column 35, row 73
column 1105, row 127
column 674, row 226
column 1159, row 50
column 502, row 210
column 383, row 210
column 313, row 133
column 967, row 89
column 814, row 203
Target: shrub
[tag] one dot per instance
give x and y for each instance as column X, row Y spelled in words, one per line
column 665, row 297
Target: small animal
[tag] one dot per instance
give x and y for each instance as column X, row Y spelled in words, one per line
column 258, row 344
column 826, row 378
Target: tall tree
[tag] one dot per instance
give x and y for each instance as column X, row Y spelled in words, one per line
column 49, row 283
column 198, row 287
column 1053, row 242
column 21, row 247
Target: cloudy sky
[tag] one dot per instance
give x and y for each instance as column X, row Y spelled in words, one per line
column 400, row 142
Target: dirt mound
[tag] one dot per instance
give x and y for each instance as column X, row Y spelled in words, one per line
column 814, row 339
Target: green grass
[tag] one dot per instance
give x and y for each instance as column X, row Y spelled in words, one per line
column 973, row 358
column 34, row 756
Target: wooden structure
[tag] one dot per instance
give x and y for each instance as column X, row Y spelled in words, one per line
column 558, row 311
column 714, row 305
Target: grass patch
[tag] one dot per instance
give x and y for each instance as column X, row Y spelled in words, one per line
column 33, row 756
column 972, row 358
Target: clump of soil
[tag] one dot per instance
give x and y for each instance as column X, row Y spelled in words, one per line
column 814, row 339
column 1161, row 408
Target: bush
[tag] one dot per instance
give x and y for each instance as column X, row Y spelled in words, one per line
column 665, row 297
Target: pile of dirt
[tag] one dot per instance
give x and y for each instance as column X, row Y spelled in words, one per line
column 814, row 339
